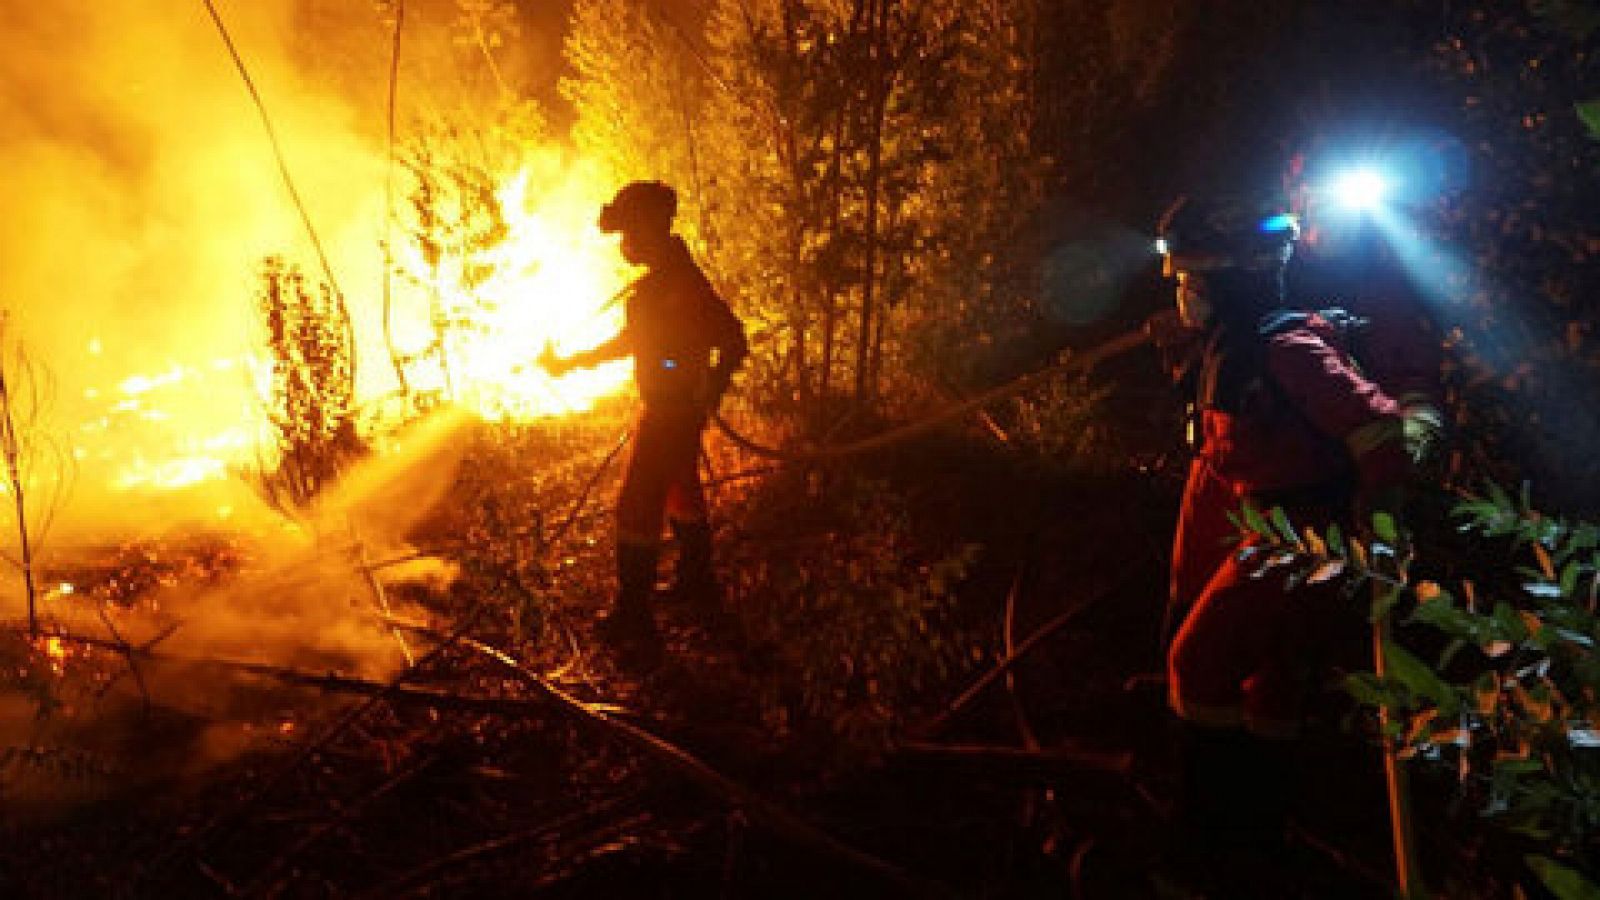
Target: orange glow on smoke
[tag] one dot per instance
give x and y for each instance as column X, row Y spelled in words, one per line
column 552, row 281
column 147, row 194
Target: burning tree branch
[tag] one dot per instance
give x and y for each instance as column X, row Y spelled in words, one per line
column 33, row 459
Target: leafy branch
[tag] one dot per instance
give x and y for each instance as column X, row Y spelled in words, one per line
column 1512, row 703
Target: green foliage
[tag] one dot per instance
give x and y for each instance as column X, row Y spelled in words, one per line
column 1589, row 114
column 312, row 400
column 1512, row 703
column 1562, row 881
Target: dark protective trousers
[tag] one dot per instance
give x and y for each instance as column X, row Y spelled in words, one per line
column 663, row 474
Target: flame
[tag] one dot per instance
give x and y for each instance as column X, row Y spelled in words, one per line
column 553, row 281
column 55, row 651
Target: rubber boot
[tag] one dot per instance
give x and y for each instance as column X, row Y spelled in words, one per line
column 695, row 585
column 694, row 582
column 630, row 626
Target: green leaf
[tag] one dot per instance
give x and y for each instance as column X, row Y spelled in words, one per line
column 1509, row 623
column 1589, row 114
column 1564, row 883
column 1419, row 678
column 1383, row 526
column 1285, row 528
column 1500, row 499
column 1335, row 540
column 1254, row 521
column 1569, row 578
column 1367, row 689
column 1384, row 598
column 1514, row 766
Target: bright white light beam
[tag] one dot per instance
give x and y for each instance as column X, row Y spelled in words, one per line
column 1360, row 190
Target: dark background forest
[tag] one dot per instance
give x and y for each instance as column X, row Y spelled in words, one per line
column 952, row 676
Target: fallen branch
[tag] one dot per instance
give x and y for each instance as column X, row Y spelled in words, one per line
column 200, row 835
column 780, row 821
column 427, row 873
column 328, row 681
column 937, row 723
column 272, row 879
column 1047, row 763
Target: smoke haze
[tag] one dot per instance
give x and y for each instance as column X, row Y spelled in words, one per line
column 140, row 195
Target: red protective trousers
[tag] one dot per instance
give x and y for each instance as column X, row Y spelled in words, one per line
column 663, row 473
column 1248, row 646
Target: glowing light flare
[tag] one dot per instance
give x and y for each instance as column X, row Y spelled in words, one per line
column 136, row 385
column 1360, row 190
column 169, row 474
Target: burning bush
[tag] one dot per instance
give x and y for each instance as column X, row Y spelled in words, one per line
column 312, row 408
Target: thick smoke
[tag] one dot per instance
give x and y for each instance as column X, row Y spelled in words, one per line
column 140, row 195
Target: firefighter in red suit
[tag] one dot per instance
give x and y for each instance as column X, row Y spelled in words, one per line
column 686, row 344
column 1283, row 416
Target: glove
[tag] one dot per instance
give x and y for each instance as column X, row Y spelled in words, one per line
column 1424, row 433
column 551, row 363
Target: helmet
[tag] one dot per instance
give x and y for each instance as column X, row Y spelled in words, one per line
column 640, row 204
column 1225, row 232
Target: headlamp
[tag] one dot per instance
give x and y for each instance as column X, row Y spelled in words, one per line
column 1359, row 190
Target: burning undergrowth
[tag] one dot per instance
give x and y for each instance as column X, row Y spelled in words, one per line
column 183, row 634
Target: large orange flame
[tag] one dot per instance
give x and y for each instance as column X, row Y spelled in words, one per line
column 553, row 281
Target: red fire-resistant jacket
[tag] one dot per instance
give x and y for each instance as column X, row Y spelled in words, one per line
column 1310, row 420
column 1301, row 426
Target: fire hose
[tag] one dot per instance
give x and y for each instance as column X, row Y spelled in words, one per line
column 1077, row 362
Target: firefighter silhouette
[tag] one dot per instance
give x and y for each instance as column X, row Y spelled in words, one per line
column 686, row 344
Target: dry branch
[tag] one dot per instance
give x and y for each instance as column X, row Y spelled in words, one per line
column 271, row 881
column 1049, row 764
column 938, row 723
column 780, row 821
column 595, row 816
column 200, row 835
column 328, row 682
